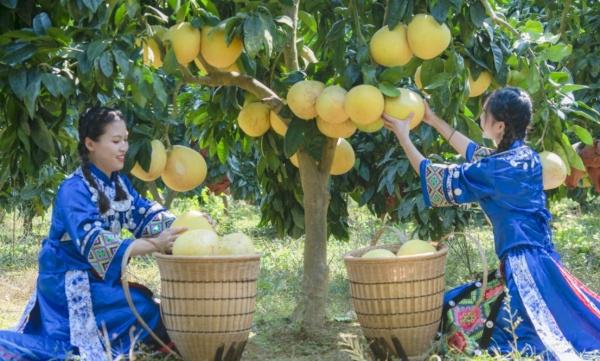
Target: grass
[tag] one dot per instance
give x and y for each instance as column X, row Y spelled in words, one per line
column 275, row 336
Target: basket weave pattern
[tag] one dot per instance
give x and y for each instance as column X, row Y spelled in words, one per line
column 207, row 303
column 398, row 297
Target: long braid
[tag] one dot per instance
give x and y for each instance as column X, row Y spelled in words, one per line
column 91, row 125
column 513, row 107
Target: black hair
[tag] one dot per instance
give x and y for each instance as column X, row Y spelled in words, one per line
column 513, row 107
column 92, row 124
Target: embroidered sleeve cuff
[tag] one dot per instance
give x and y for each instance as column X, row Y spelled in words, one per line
column 105, row 247
column 158, row 223
column 477, row 152
column 436, row 184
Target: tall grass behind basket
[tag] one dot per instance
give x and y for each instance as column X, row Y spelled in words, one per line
column 208, row 303
column 398, row 301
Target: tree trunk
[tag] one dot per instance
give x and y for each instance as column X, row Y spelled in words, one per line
column 310, row 310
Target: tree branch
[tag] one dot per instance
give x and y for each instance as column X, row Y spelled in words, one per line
column 357, row 29
column 327, row 155
column 488, row 8
column 290, row 53
column 563, row 18
column 154, row 191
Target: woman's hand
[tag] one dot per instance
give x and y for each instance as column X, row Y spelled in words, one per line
column 164, row 241
column 400, row 127
column 429, row 116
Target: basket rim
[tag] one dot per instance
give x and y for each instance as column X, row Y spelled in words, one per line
column 349, row 258
column 207, row 259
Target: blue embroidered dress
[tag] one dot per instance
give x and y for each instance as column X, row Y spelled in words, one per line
column 560, row 316
column 78, row 290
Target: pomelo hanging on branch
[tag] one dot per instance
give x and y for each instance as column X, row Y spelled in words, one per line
column 185, row 170
column 390, row 47
column 216, row 51
column 342, row 130
column 479, row 86
column 254, row 119
column 401, row 106
column 371, row 127
column 185, row 40
column 426, row 37
column 302, row 98
column 364, row 104
column 330, row 105
column 151, row 53
column 158, row 161
column 343, row 158
column 277, row 124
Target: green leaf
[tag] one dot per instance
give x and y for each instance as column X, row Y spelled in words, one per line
column 294, row 137
column 351, row 75
column 574, row 158
column 18, row 83
column 559, row 76
column 51, row 82
column 11, row 4
column 396, row 11
column 308, row 20
column 498, row 57
column 477, row 14
column 170, row 64
column 33, row 90
column 159, row 89
column 534, row 28
column 122, row 60
column 92, row 4
column 388, row 89
column 393, row 75
column 18, row 52
column 42, row 136
column 567, row 88
column 95, row 49
column 285, row 20
column 106, row 64
column 369, row 73
column 41, row 23
column 558, row 52
column 253, row 35
column 440, row 11
column 133, row 7
column 583, row 134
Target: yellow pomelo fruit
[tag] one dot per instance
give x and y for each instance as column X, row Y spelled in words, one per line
column 233, row 68
column 254, row 119
column 426, row 37
column 151, row 53
column 414, row 247
column 196, row 242
column 479, row 85
column 308, row 56
column 371, row 127
column 401, row 106
column 554, row 170
column 157, row 163
column 330, row 105
column 277, row 124
column 215, row 50
column 379, row 253
column 185, row 40
column 342, row 130
column 364, row 104
column 235, row 244
column 390, row 47
column 418, row 78
column 343, row 158
column 192, row 220
column 294, row 160
column 302, row 98
column 185, row 170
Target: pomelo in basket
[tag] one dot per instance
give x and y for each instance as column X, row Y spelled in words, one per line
column 415, row 247
column 192, row 220
column 379, row 253
column 197, row 242
column 235, row 244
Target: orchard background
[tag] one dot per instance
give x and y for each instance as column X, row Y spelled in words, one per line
column 59, row 57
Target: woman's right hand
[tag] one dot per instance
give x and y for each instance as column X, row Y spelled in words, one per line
column 164, row 241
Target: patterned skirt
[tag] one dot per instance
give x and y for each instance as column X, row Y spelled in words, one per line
column 533, row 305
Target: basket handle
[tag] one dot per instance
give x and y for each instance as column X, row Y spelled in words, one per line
column 401, row 235
column 484, row 263
column 125, row 283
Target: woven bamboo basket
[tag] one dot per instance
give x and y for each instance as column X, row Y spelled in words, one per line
column 398, row 298
column 207, row 303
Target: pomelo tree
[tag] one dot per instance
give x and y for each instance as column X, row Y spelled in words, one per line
column 216, row 76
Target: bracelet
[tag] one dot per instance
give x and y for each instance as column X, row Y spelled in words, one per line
column 451, row 135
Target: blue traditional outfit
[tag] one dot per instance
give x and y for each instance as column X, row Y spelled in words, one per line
column 78, row 291
column 560, row 317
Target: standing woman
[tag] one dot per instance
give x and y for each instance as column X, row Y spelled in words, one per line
column 78, row 291
column 560, row 315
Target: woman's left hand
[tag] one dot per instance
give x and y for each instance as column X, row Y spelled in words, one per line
column 400, row 127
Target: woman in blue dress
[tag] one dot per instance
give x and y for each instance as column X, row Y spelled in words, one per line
column 559, row 316
column 78, row 291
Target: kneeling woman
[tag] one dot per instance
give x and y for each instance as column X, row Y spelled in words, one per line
column 560, row 317
column 78, row 291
